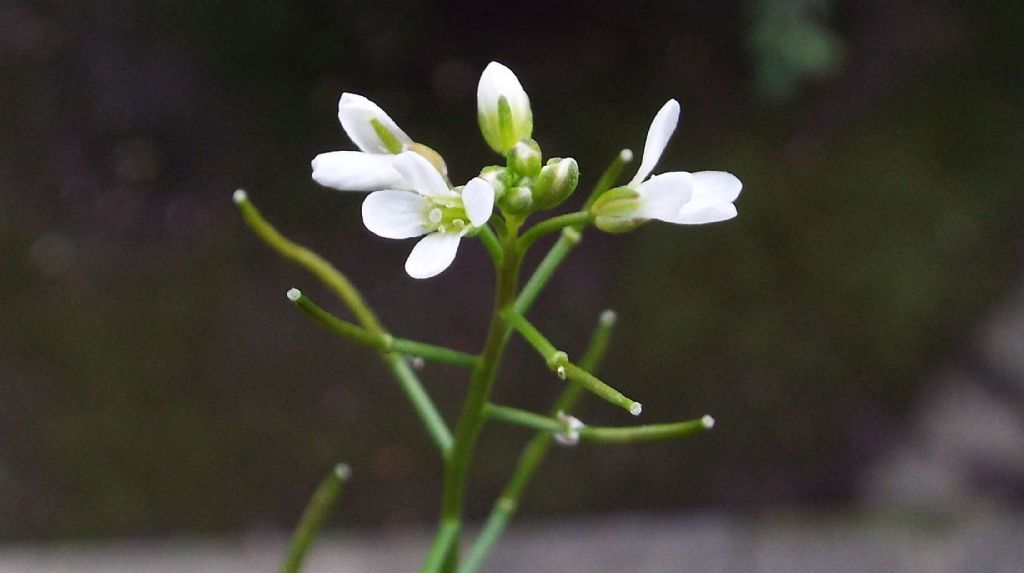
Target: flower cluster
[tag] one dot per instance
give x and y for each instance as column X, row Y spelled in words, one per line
column 412, row 196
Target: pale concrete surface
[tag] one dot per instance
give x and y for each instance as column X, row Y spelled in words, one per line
column 986, row 542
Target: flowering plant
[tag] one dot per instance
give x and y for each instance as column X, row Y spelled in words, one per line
column 411, row 195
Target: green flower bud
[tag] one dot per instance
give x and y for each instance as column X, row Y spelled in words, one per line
column 557, row 180
column 503, row 108
column 524, row 159
column 517, row 200
column 495, row 175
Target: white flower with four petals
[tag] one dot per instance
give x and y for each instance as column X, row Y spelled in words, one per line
column 430, row 208
column 377, row 136
column 675, row 197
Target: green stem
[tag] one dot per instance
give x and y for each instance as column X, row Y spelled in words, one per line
column 559, row 362
column 571, row 236
column 339, row 283
column 311, row 261
column 601, row 434
column 648, row 433
column 313, row 518
column 577, row 220
column 524, row 418
column 547, row 267
column 534, row 453
column 421, row 401
column 472, row 418
column 382, row 342
column 611, row 173
column 491, row 243
column 440, row 549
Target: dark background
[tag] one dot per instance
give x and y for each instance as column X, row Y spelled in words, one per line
column 154, row 379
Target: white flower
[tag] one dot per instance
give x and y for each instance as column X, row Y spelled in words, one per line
column 675, row 197
column 431, row 208
column 377, row 136
column 503, row 108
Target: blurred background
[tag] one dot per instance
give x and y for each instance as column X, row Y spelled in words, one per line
column 857, row 332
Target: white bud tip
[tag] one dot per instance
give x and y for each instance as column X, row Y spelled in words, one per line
column 561, row 372
column 626, row 155
column 609, row 318
column 708, row 422
column 342, row 472
column 294, row 294
column 635, row 408
column 240, row 196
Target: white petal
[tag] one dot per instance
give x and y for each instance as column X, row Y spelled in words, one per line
column 697, row 215
column 713, row 187
column 657, row 138
column 662, row 196
column 496, row 81
column 713, row 194
column 356, row 171
column 355, row 113
column 478, row 199
column 396, row 214
column 421, row 175
column 433, row 254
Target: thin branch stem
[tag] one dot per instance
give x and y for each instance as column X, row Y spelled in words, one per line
column 313, row 518
column 610, row 175
column 381, row 342
column 491, row 243
column 571, row 236
column 523, row 418
column 346, row 291
column 601, row 434
column 647, row 433
column 534, row 452
column 559, row 362
column 577, row 220
column 309, row 260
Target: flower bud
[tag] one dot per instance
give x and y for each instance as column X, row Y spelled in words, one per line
column 503, row 108
column 524, row 159
column 517, row 200
column 616, row 210
column 557, row 180
column 494, row 175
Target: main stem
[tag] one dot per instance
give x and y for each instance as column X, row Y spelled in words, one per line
column 474, row 409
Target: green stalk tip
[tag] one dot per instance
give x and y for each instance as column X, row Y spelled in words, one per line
column 609, row 318
column 343, row 472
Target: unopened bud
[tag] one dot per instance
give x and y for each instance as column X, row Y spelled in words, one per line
column 494, row 175
column 503, row 108
column 557, row 180
column 517, row 200
column 525, row 158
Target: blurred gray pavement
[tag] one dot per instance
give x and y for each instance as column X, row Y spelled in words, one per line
column 982, row 541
